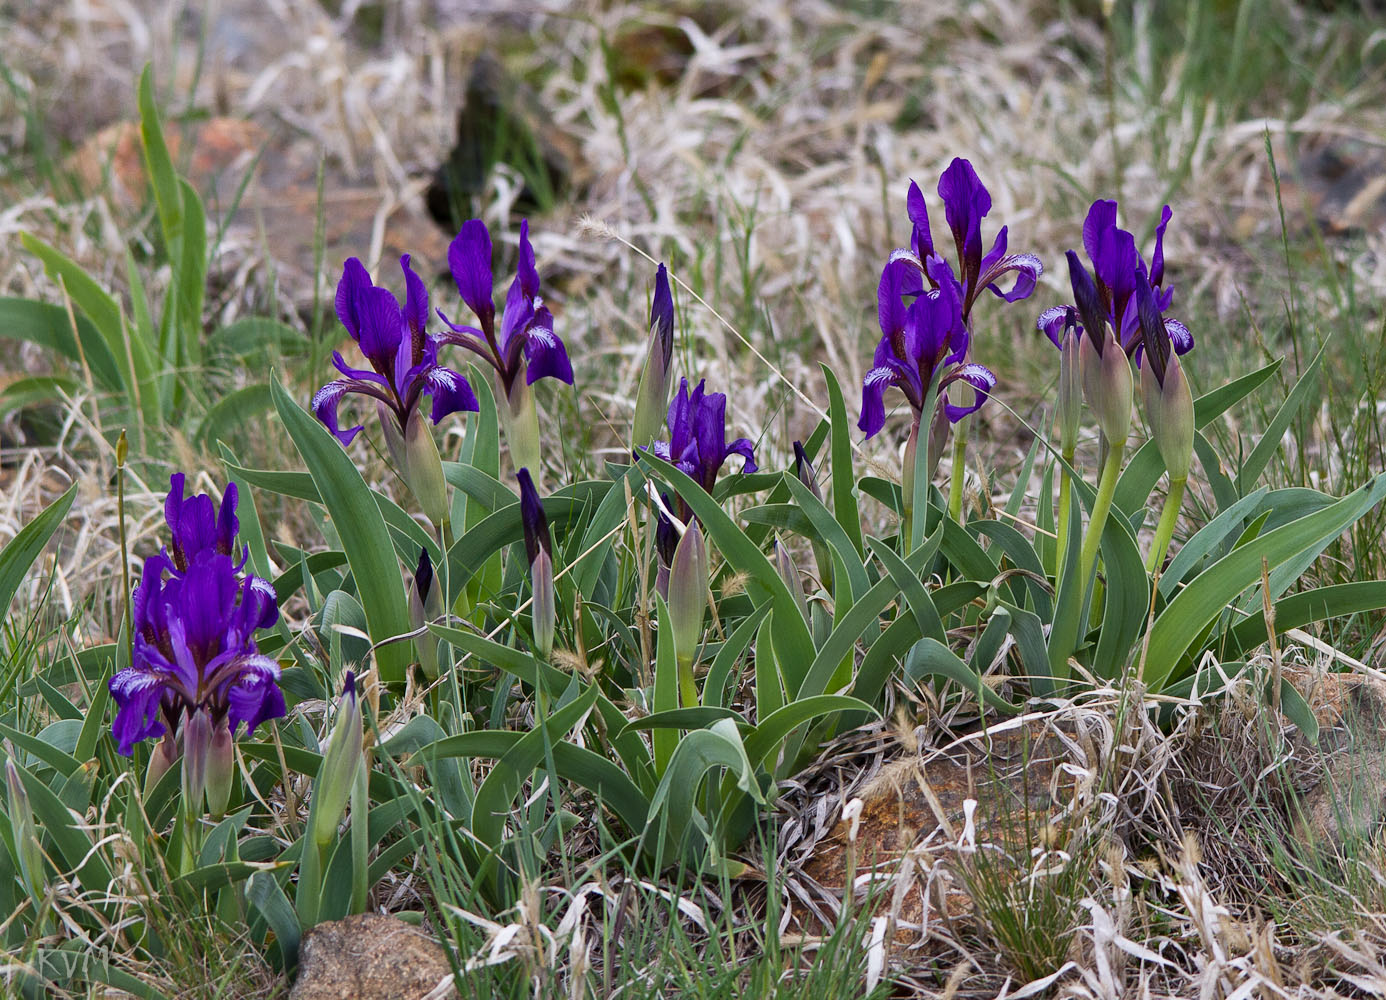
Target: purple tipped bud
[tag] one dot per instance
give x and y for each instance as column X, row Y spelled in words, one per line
column 423, row 575
column 543, row 612
column 536, row 524
column 1154, row 338
column 1089, row 302
column 805, row 471
column 688, row 592
column 666, row 535
column 652, row 396
column 343, row 756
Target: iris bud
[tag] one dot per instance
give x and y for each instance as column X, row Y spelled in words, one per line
column 345, row 751
column 221, row 768
column 424, row 604
column 805, row 471
column 1107, row 386
column 688, row 591
column 521, row 420
column 197, row 746
column 652, row 397
column 789, row 573
column 423, row 470
column 164, row 755
column 1168, row 402
column 539, row 549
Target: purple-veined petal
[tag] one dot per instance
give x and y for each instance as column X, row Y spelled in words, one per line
column 259, row 597
column 873, row 389
column 469, row 259
column 518, row 315
column 545, row 355
column 921, row 239
column 979, row 377
column 253, row 696
column 1088, row 301
column 743, row 447
column 1027, row 269
column 136, row 694
column 358, row 374
column 451, row 392
column 352, row 285
column 1052, row 321
column 900, row 277
column 324, row 407
column 1179, row 336
column 710, row 432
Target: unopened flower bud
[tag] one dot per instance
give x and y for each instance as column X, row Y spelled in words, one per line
column 424, row 605
column 1107, row 386
column 521, row 421
column 539, row 549
column 197, row 746
column 221, row 769
column 1169, row 408
column 805, row 471
column 789, row 573
column 164, row 756
column 652, row 396
column 688, row 591
column 345, row 750
column 423, row 470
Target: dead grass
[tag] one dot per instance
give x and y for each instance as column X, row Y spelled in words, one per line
column 771, row 174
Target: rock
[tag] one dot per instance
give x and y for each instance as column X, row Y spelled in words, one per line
column 371, row 957
column 1348, row 803
column 1014, row 778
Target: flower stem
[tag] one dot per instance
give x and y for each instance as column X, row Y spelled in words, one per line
column 1165, row 529
column 1106, row 488
column 688, row 688
column 959, row 472
column 907, row 471
column 1065, row 512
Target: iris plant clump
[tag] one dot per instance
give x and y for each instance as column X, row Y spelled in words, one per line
column 924, row 307
column 404, row 366
column 196, row 673
column 523, row 348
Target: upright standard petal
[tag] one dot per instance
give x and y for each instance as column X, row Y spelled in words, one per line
column 965, row 203
column 662, row 315
column 921, row 239
column 469, row 260
column 351, row 288
column 415, row 309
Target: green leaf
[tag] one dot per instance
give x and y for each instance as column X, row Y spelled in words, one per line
column 763, row 742
column 73, row 844
column 680, row 718
column 715, row 683
column 931, row 658
column 1294, row 706
column 1198, row 604
column 1208, row 538
column 256, row 336
column 365, row 539
column 497, row 793
column 1126, row 607
column 19, row 552
column 666, row 685
column 1317, row 605
column 231, row 411
column 267, row 896
column 845, row 548
column 671, row 807
column 921, row 605
column 48, row 326
column 844, row 478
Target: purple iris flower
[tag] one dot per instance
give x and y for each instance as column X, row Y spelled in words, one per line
column 698, row 435
column 524, row 341
column 195, row 649
column 402, row 354
column 925, row 340
column 966, row 202
column 1117, row 269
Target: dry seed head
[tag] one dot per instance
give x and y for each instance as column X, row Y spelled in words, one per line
column 734, row 584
